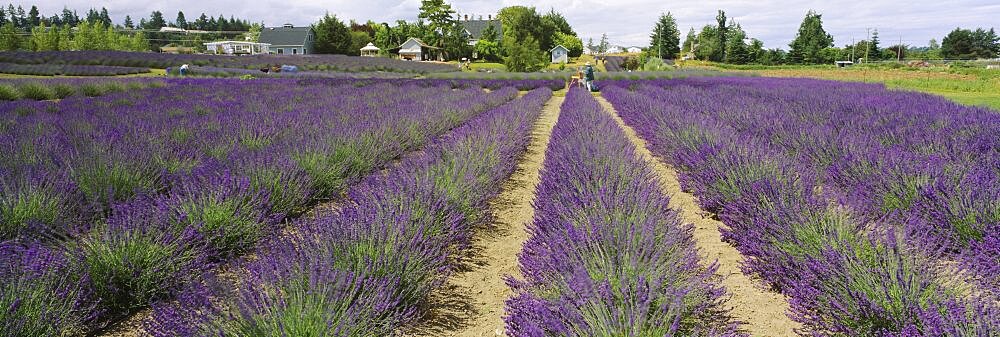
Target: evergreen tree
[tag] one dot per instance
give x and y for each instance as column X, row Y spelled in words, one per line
column 201, row 23
column 722, row 32
column 128, row 22
column 156, row 21
column 332, row 36
column 810, row 40
column 737, row 51
column 181, row 22
column 33, row 18
column 873, row 51
column 12, row 12
column 557, row 20
column 105, row 17
column 707, row 47
column 3, row 17
column 690, row 41
column 604, row 45
column 22, row 19
column 44, row 38
column 665, row 39
column 69, row 17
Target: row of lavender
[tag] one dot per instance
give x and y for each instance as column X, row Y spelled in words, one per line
column 607, row 256
column 853, row 200
column 158, row 60
column 115, row 202
column 68, row 70
column 367, row 269
column 49, row 89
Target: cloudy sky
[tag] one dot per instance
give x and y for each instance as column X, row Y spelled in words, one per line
column 627, row 22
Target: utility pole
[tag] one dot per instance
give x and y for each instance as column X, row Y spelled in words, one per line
column 854, row 46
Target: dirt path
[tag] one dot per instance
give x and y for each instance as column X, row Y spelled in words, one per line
column 472, row 303
column 762, row 310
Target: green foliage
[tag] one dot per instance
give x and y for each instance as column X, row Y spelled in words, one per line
column 521, row 23
column 488, row 50
column 810, row 40
column 558, row 21
column 9, row 92
column 9, row 38
column 359, row 40
column 104, row 183
column 36, row 91
column 129, row 268
column 30, row 309
column 571, row 42
column 665, row 39
column 722, row 33
column 737, row 52
column 966, row 44
column 39, row 205
column 708, row 47
column 332, row 36
column 523, row 55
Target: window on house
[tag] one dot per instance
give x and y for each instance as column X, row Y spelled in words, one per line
column 281, row 51
column 295, row 51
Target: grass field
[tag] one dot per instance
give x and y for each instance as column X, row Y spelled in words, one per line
column 978, row 87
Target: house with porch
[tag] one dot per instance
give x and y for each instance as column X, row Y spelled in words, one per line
column 416, row 50
column 288, row 39
column 474, row 28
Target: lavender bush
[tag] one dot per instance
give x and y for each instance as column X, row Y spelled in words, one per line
column 606, row 254
column 853, row 200
column 147, row 190
column 366, row 269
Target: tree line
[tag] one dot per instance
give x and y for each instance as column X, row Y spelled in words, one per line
column 522, row 43
column 727, row 42
column 30, row 30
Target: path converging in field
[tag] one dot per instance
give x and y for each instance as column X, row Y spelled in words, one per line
column 472, row 303
column 762, row 311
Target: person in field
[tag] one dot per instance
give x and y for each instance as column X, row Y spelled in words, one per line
column 588, row 76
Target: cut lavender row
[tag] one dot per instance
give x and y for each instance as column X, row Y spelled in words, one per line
column 606, row 254
column 366, row 269
column 820, row 189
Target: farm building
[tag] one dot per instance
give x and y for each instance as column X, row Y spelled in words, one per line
column 560, row 54
column 288, row 39
column 588, row 51
column 416, row 50
column 369, row 50
column 474, row 28
column 237, row 47
column 634, row 50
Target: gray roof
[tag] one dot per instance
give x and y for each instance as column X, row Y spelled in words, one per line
column 284, row 36
column 476, row 27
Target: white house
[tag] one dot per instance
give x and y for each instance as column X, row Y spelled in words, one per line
column 237, row 47
column 288, row 39
column 614, row 50
column 634, row 50
column 560, row 54
column 588, row 51
column 416, row 50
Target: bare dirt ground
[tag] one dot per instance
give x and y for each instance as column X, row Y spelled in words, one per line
column 471, row 304
column 762, row 311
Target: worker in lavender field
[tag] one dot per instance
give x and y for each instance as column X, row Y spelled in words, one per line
column 588, row 76
column 184, row 69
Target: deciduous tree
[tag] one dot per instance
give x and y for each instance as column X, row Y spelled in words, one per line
column 332, row 36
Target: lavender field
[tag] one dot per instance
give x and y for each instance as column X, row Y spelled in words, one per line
column 344, row 206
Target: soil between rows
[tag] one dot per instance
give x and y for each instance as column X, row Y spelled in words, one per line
column 471, row 304
column 762, row 311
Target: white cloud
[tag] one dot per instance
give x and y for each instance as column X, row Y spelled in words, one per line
column 626, row 22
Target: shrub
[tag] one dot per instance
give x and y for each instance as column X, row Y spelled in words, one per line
column 91, row 89
column 40, row 295
column 9, row 93
column 63, row 90
column 36, row 91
